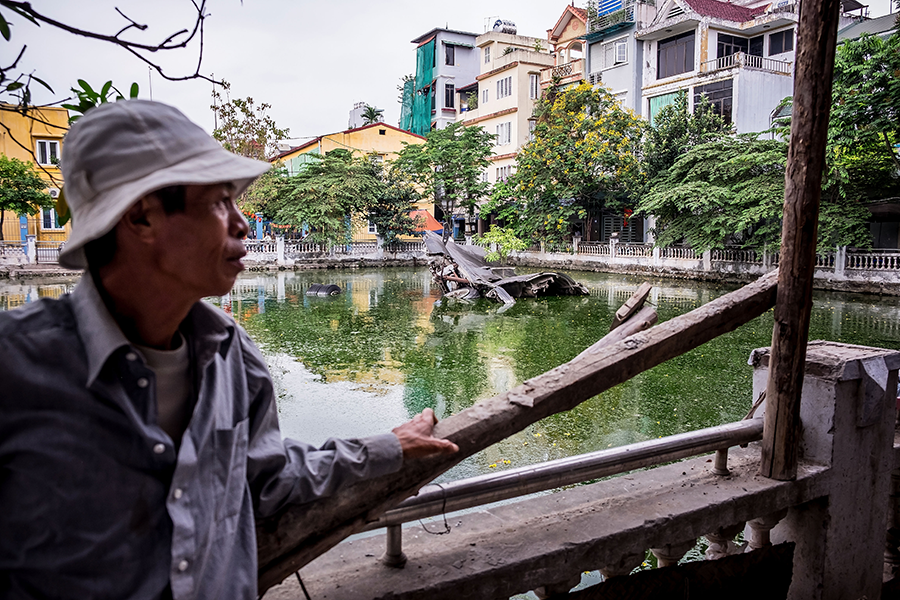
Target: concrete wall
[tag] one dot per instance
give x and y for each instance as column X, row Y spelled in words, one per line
column 756, row 94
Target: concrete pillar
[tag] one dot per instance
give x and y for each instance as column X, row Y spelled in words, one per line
column 847, row 414
column 707, row 260
column 31, row 249
column 279, row 249
column 575, row 241
column 656, row 256
column 542, row 247
column 840, row 261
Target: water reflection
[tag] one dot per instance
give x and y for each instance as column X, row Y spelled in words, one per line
column 364, row 361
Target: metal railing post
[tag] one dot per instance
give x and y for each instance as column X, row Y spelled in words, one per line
column 393, row 554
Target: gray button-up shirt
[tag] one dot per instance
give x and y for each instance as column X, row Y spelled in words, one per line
column 94, row 500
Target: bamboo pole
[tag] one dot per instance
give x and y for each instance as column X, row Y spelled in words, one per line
column 300, row 534
column 816, row 40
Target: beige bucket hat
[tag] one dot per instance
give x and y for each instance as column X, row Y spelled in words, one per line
column 122, row 151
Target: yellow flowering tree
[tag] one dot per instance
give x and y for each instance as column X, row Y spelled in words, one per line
column 585, row 156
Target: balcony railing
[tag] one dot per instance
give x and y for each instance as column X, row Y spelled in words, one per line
column 619, row 18
column 742, row 60
column 567, row 70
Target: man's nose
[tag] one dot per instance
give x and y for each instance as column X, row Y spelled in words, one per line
column 240, row 228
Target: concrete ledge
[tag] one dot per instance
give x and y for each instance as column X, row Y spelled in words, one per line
column 511, row 548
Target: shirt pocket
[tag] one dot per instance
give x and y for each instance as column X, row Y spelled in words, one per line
column 231, row 469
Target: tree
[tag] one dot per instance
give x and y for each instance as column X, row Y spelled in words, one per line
column 732, row 191
column 338, row 190
column 243, row 127
column 676, row 130
column 16, row 80
column 449, row 167
column 22, row 190
column 585, row 154
column 504, row 239
column 372, row 115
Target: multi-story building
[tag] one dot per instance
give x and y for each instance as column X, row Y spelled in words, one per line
column 566, row 40
column 503, row 97
column 38, row 139
column 446, row 60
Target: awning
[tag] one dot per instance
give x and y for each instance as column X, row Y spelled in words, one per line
column 464, row 45
column 427, row 222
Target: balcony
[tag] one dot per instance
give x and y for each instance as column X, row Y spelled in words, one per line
column 610, row 21
column 742, row 60
column 566, row 72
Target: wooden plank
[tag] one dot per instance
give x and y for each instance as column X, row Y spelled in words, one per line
column 303, row 532
column 816, row 39
column 631, row 306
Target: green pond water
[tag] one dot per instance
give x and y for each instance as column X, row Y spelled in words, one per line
column 364, row 361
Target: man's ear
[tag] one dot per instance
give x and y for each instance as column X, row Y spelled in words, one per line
column 139, row 218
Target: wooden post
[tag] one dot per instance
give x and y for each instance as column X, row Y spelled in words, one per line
column 816, row 39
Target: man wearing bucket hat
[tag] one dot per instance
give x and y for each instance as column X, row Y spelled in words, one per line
column 138, row 428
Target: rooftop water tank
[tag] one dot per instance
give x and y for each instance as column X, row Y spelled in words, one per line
column 504, row 26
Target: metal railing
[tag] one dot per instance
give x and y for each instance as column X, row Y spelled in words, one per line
column 742, row 59
column 623, row 16
column 569, row 69
column 47, row 252
column 436, row 499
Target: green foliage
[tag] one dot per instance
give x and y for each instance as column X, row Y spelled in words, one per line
column 732, row 191
column 505, row 241
column 334, row 192
column 586, row 153
column 448, row 167
column 262, row 195
column 89, row 99
column 372, row 115
column 676, row 130
column 243, row 127
column 22, row 190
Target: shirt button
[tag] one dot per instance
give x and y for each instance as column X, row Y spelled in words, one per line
column 177, row 493
column 143, row 382
column 183, row 565
column 131, row 356
column 159, row 448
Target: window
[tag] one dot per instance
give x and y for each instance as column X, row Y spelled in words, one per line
column 449, row 55
column 534, row 86
column 487, row 54
column 504, row 87
column 504, row 133
column 532, row 123
column 49, row 219
column 484, row 176
column 756, row 45
column 731, row 44
column 720, row 94
column 484, row 96
column 382, row 132
column 621, row 52
column 503, row 173
column 372, row 227
column 449, row 93
column 47, row 152
column 431, row 93
column 783, row 41
column 675, row 55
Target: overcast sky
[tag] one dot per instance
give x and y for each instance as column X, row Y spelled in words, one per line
column 310, row 60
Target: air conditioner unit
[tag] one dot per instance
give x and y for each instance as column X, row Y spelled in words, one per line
column 54, row 193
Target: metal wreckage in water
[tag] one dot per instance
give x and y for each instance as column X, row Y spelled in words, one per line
column 464, row 274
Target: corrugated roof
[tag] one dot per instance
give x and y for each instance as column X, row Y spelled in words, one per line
column 874, row 26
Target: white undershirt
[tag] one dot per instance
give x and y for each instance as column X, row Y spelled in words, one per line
column 173, row 387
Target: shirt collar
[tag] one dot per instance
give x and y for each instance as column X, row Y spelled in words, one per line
column 207, row 328
column 99, row 332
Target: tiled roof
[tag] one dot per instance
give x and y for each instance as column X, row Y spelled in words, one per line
column 724, row 10
column 580, row 12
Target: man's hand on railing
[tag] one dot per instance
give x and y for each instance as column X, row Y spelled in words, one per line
column 416, row 439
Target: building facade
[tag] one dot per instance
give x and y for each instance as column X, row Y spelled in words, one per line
column 566, row 40
column 446, row 60
column 38, row 139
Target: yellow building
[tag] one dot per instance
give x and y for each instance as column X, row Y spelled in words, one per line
column 380, row 140
column 38, row 139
